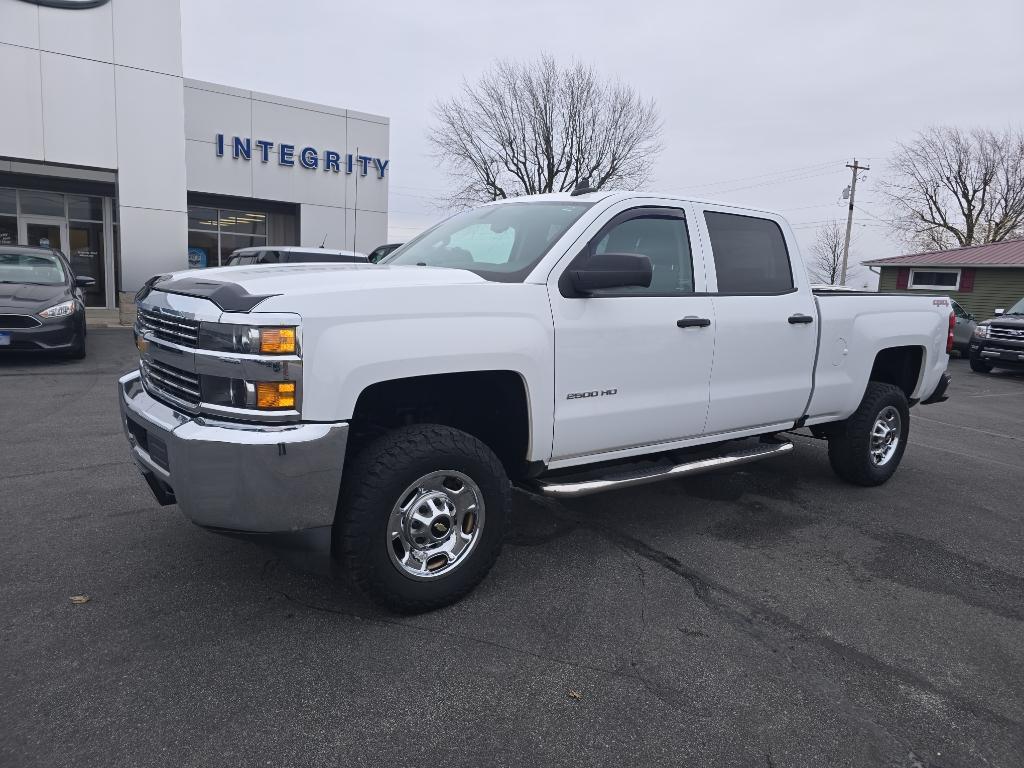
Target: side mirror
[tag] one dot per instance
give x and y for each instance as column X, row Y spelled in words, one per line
column 83, row 281
column 1000, row 311
column 612, row 270
column 971, row 317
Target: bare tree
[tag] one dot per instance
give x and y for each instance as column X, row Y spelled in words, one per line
column 950, row 188
column 827, row 255
column 527, row 128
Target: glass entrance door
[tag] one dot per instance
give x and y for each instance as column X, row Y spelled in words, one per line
column 45, row 232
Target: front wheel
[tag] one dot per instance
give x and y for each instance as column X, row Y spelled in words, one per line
column 867, row 448
column 423, row 516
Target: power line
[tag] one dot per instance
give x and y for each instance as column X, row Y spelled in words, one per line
column 783, row 172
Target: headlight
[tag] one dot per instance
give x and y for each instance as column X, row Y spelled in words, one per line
column 981, row 331
column 64, row 309
column 245, row 339
column 277, row 341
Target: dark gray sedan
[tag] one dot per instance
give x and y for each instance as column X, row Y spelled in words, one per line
column 41, row 304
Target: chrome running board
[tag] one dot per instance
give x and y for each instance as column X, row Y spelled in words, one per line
column 648, row 475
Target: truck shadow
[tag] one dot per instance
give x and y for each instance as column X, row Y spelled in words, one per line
column 757, row 506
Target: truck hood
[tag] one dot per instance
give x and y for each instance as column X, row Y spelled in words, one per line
column 240, row 289
column 1015, row 322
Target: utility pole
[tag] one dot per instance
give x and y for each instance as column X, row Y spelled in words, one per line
column 857, row 168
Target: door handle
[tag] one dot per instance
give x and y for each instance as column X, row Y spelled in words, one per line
column 691, row 321
column 798, row 318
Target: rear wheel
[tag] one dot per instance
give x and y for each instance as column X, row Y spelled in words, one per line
column 423, row 516
column 866, row 448
column 980, row 366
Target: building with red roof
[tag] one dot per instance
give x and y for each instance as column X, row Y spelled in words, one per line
column 981, row 278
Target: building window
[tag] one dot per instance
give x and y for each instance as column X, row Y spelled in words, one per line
column 85, row 244
column 215, row 233
column 70, row 223
column 942, row 279
column 8, row 217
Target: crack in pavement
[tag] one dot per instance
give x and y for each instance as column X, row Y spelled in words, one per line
column 703, row 586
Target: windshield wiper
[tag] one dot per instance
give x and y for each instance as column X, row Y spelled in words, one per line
column 23, row 282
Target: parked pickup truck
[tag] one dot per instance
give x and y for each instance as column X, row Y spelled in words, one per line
column 999, row 341
column 567, row 344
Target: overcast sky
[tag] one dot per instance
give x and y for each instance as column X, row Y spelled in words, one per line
column 763, row 103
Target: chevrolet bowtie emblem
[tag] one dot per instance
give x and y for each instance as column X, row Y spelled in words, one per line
column 441, row 528
column 142, row 344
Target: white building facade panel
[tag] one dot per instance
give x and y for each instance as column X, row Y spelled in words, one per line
column 85, row 35
column 21, row 94
column 19, row 24
column 78, row 111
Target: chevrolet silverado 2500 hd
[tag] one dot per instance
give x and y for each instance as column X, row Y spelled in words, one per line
column 567, row 343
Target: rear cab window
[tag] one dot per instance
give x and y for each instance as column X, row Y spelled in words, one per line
column 750, row 254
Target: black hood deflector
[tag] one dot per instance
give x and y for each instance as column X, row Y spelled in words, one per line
column 230, row 297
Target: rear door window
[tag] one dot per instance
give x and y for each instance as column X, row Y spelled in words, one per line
column 750, row 254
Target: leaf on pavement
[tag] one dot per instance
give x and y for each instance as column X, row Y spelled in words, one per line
column 575, row 694
column 80, row 599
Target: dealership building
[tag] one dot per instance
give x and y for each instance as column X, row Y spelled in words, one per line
column 108, row 152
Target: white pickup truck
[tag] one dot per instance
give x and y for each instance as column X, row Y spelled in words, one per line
column 567, row 343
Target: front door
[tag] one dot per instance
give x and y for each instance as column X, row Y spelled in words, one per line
column 633, row 365
column 45, row 231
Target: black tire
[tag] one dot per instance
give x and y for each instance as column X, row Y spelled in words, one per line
column 373, row 484
column 849, row 444
column 980, row 366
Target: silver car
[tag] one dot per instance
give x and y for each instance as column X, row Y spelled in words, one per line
column 963, row 330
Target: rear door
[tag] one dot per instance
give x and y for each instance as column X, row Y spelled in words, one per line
column 766, row 321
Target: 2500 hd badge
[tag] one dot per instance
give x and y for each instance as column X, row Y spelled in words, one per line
column 595, row 393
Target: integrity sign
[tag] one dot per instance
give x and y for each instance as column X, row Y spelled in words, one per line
column 310, row 158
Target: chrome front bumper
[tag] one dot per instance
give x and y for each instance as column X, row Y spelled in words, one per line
column 264, row 478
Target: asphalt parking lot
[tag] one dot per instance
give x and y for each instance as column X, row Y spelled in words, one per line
column 765, row 617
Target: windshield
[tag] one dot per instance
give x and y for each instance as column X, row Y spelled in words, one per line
column 498, row 242
column 35, row 268
column 1016, row 309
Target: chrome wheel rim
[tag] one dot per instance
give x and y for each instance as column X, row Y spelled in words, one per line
column 435, row 525
column 885, row 435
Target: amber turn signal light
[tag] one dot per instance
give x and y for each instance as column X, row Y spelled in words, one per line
column 277, row 341
column 271, row 395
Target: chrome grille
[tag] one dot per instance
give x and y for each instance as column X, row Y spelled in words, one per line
column 172, row 382
column 177, row 330
column 1010, row 334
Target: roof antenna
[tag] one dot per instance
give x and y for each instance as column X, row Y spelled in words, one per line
column 583, row 187
column 322, row 242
